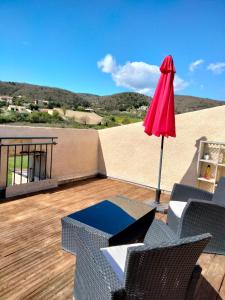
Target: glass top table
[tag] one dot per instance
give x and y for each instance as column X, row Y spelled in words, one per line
column 105, row 216
column 115, row 221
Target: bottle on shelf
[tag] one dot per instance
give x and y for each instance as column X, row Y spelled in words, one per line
column 208, row 172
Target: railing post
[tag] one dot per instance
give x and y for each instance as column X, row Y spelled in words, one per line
column 21, row 165
column 51, row 161
column 46, row 159
column 14, row 166
column 3, row 170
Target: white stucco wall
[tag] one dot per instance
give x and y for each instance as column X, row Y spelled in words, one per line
column 127, row 153
column 76, row 152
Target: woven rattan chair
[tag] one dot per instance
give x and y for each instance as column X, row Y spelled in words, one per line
column 193, row 211
column 163, row 268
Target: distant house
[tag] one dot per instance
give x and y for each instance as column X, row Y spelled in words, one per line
column 46, row 102
column 19, row 109
column 89, row 109
column 27, row 105
column 143, row 108
column 7, row 99
column 40, row 102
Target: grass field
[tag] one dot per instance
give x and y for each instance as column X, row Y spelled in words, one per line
column 20, row 161
column 127, row 119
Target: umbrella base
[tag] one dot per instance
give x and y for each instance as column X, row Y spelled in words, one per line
column 160, row 207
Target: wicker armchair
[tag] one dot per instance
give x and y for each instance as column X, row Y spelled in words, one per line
column 193, row 211
column 163, row 268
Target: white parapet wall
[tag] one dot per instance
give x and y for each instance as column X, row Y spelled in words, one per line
column 30, row 187
column 76, row 154
column 127, row 153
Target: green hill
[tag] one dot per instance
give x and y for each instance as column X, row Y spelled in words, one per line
column 182, row 103
column 31, row 92
column 119, row 102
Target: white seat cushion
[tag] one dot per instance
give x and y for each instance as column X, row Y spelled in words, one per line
column 177, row 207
column 116, row 257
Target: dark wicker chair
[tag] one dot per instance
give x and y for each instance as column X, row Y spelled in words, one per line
column 203, row 212
column 163, row 268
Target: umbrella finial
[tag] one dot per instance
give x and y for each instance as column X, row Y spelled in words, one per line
column 168, row 65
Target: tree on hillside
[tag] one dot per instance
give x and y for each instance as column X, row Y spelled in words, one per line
column 64, row 109
column 3, row 103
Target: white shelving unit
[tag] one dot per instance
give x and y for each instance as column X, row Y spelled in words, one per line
column 216, row 161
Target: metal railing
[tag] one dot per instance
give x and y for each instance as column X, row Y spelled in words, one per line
column 25, row 159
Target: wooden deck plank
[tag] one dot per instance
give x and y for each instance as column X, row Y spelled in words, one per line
column 32, row 264
column 212, row 278
column 204, row 261
column 222, row 289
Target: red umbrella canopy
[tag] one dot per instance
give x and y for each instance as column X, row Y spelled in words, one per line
column 160, row 118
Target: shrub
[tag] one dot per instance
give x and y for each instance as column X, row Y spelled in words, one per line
column 34, row 106
column 126, row 120
column 56, row 116
column 8, row 118
column 24, row 117
column 40, row 117
column 3, row 103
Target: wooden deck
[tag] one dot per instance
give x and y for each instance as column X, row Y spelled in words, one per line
column 32, row 264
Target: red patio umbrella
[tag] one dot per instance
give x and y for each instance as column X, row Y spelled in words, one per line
column 160, row 118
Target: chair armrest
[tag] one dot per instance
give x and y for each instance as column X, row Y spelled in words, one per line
column 106, row 276
column 183, row 192
column 98, row 279
column 72, row 229
column 159, row 233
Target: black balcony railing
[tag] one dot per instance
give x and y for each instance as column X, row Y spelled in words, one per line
column 25, row 159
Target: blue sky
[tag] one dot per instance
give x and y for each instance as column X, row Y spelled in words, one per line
column 110, row 46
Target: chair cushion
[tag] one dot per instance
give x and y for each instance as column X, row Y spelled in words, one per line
column 116, row 257
column 177, row 207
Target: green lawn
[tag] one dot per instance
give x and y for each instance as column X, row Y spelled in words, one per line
column 19, row 159
column 127, row 119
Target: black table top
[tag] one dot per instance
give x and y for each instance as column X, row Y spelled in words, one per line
column 105, row 216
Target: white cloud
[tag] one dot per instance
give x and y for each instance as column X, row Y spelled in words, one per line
column 179, row 83
column 217, row 68
column 136, row 76
column 107, row 64
column 195, row 64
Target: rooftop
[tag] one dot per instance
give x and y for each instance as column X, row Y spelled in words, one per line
column 32, row 264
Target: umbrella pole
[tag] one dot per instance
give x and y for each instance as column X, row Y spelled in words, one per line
column 158, row 191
